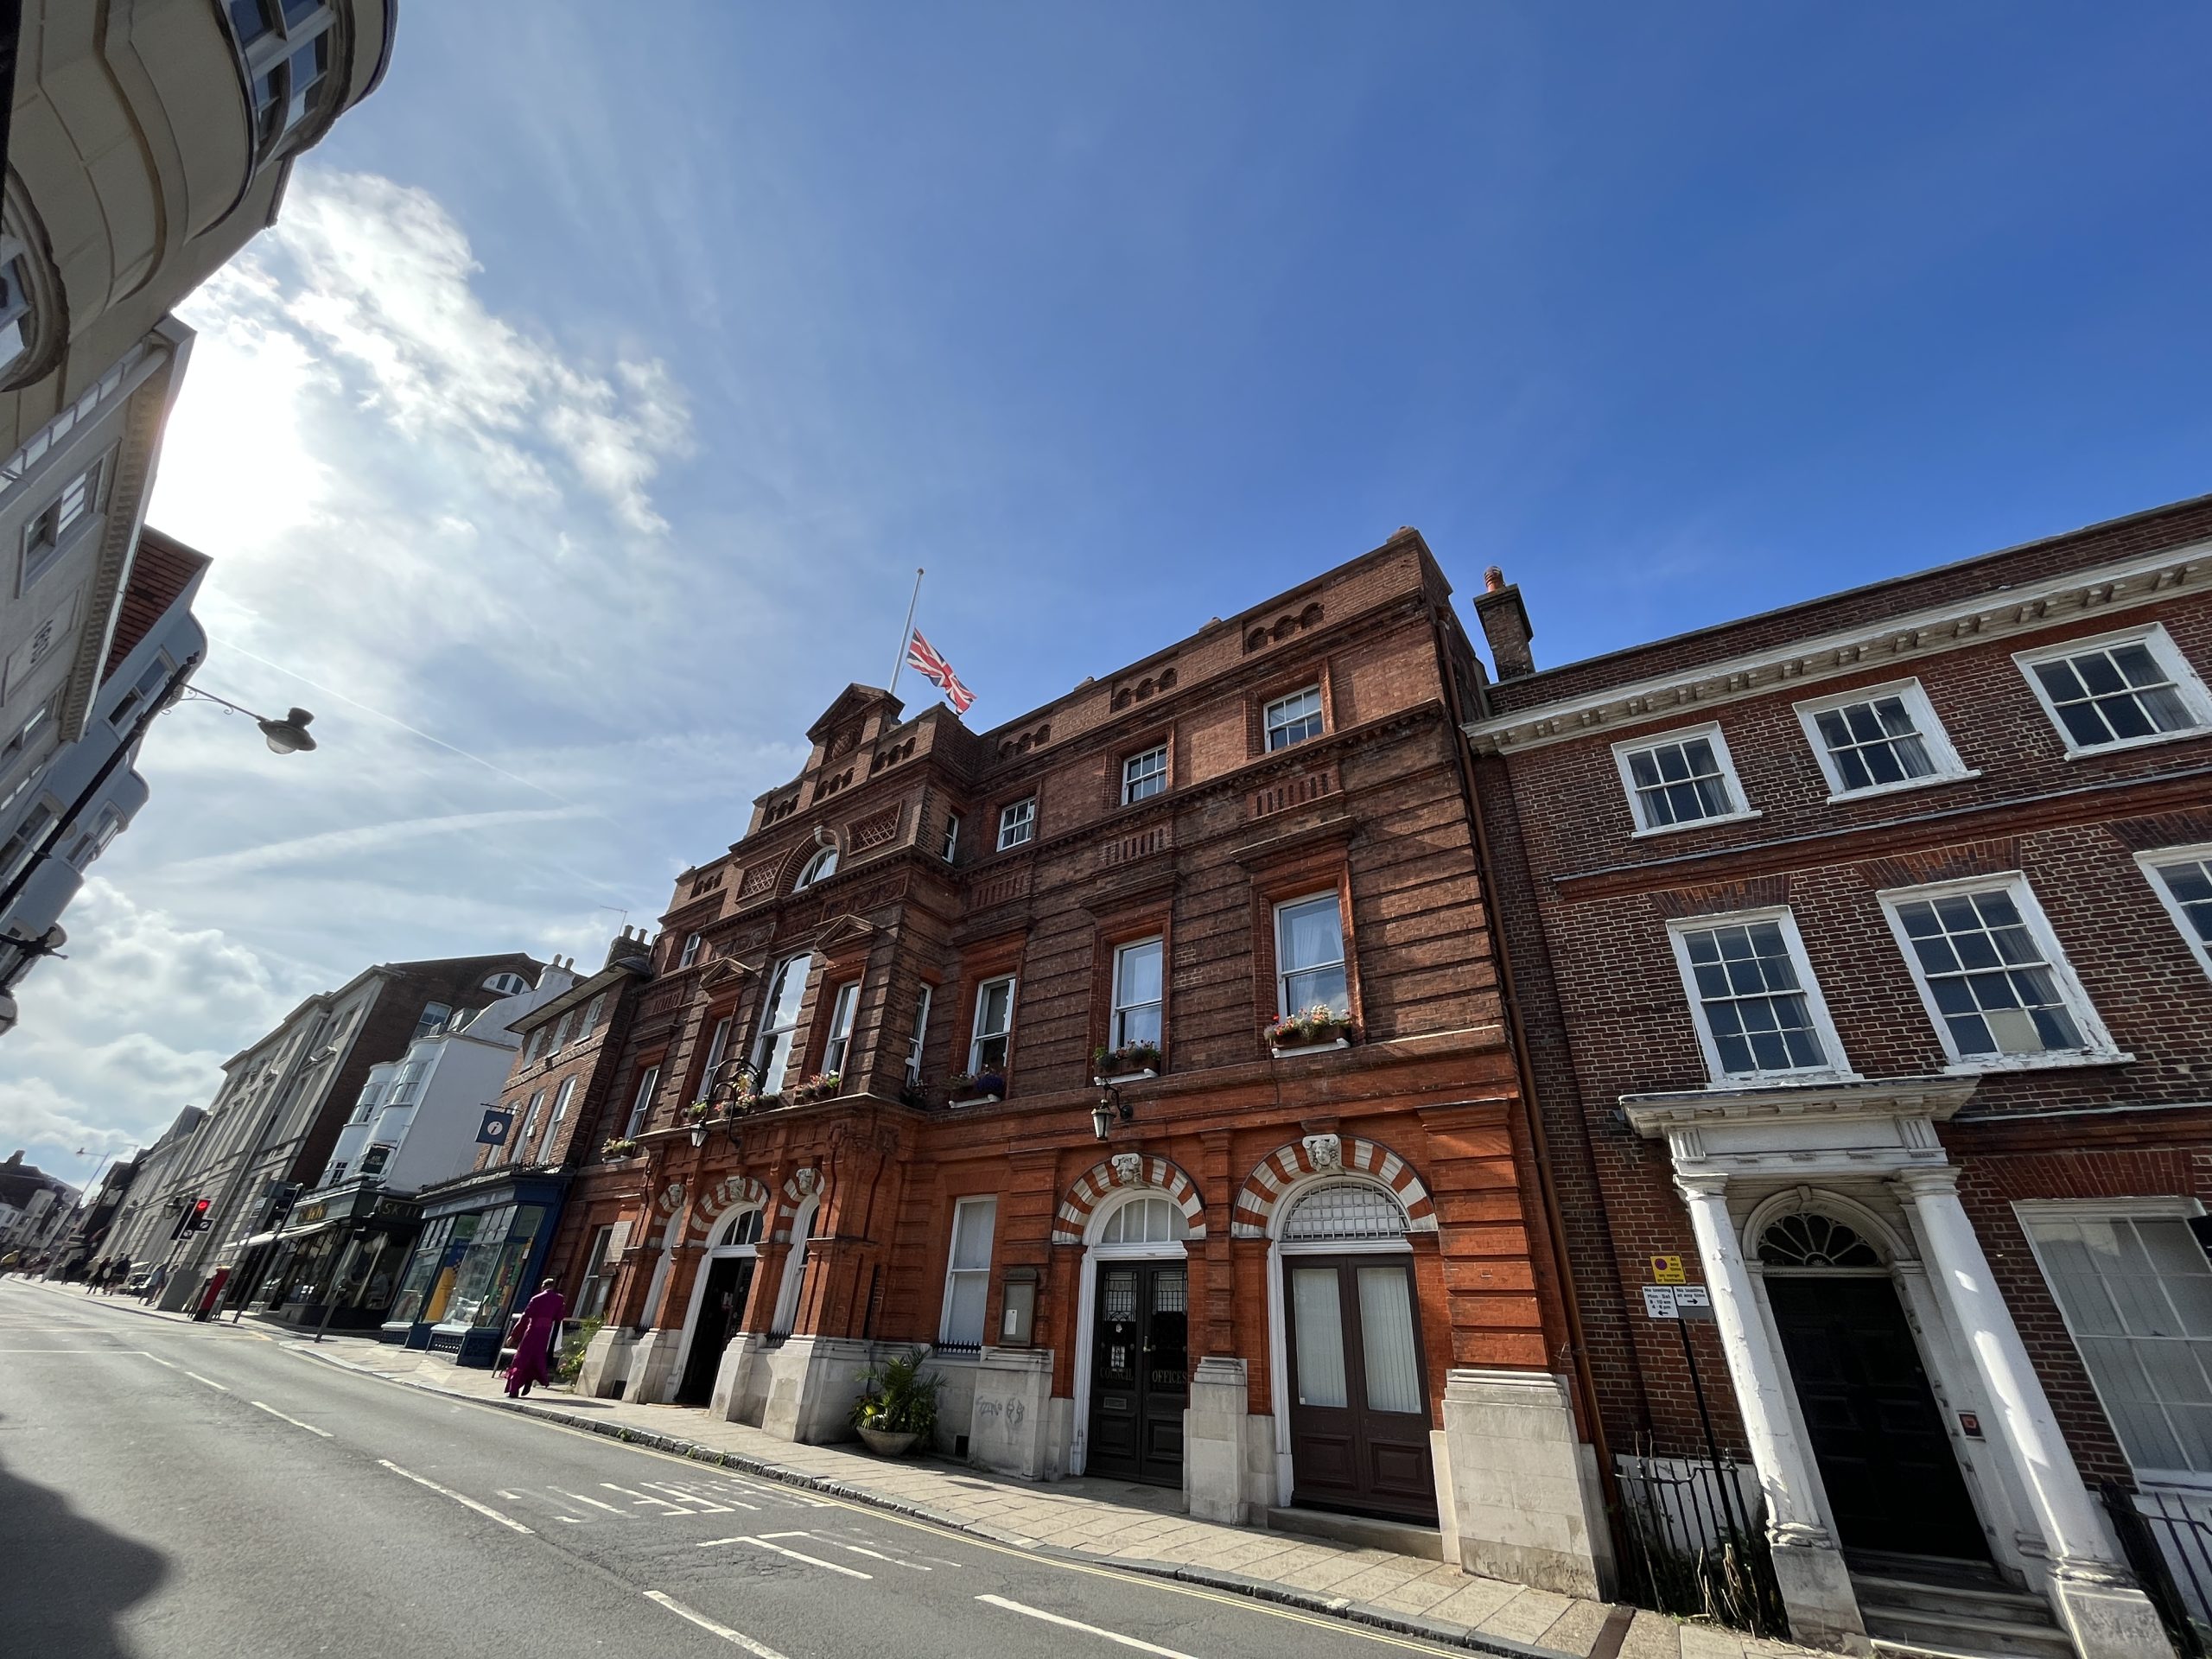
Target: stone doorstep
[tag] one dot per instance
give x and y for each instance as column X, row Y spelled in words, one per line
column 1540, row 1613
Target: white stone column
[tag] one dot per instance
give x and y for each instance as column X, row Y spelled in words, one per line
column 1808, row 1566
column 2107, row 1616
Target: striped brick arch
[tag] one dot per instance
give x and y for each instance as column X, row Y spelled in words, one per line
column 1151, row 1173
column 1288, row 1164
column 738, row 1190
column 801, row 1185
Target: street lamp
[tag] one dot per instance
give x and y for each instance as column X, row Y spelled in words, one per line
column 1110, row 1109
column 733, row 1081
column 285, row 737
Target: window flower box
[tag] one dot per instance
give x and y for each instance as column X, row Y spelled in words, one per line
column 825, row 1087
column 975, row 1088
column 618, row 1147
column 699, row 1112
column 1317, row 1027
column 1131, row 1062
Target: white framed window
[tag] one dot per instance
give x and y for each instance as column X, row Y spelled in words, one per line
column 367, row 1104
column 968, row 1271
column 820, row 868
column 561, row 1101
column 404, row 1084
column 598, row 1276
column 772, row 1049
column 921, row 1036
column 1146, row 1220
column 286, row 47
column 518, row 1146
column 1758, row 1007
column 150, row 684
column 1293, row 719
column 591, row 1016
column 2135, row 1289
column 991, row 1044
column 507, row 984
column 54, row 528
column 2182, row 877
column 536, row 1046
column 1310, row 955
column 561, row 1029
column 15, row 302
column 691, row 950
column 27, row 733
column 949, row 848
column 1018, row 823
column 2115, row 690
column 717, row 1051
column 838, row 1049
column 1144, row 776
column 1992, row 976
column 641, row 1103
column 1879, row 738
column 1680, row 780
column 1139, row 991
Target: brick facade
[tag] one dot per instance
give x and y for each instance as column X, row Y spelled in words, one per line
column 1372, row 811
column 1585, row 901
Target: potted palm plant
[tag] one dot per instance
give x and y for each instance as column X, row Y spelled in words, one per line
column 897, row 1405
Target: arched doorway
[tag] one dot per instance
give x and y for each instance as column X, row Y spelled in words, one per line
column 1893, row 1484
column 787, row 1292
column 1138, row 1351
column 718, row 1294
column 1353, row 1406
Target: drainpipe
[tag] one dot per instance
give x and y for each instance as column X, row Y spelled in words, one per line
column 1586, row 1385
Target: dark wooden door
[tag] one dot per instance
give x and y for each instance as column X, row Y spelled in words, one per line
column 1893, row 1480
column 728, row 1278
column 1358, row 1386
column 1140, row 1371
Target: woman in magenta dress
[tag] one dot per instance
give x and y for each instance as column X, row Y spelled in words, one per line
column 541, row 1322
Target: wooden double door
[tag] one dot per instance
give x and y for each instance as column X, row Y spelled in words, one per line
column 1358, row 1390
column 1893, row 1482
column 1140, row 1371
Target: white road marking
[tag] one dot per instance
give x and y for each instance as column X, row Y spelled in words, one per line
column 581, row 1499
column 878, row 1555
column 644, row 1498
column 940, row 1560
column 758, row 1649
column 293, row 1422
column 705, row 1505
column 158, row 1360
column 811, row 1561
column 209, row 1381
column 1090, row 1630
column 461, row 1498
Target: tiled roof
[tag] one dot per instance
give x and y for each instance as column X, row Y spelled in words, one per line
column 163, row 569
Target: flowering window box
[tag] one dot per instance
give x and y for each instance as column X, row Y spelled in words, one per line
column 1131, row 1063
column 1310, row 1029
column 975, row 1088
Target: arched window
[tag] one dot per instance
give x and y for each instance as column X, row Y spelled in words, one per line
column 743, row 1228
column 820, row 868
column 794, row 1271
column 507, row 984
column 1342, row 1209
column 1146, row 1221
column 1807, row 1240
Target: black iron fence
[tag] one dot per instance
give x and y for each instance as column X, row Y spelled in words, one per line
column 2167, row 1536
column 1695, row 1543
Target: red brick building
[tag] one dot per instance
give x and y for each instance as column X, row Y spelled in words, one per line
column 1862, row 951
column 1269, row 1271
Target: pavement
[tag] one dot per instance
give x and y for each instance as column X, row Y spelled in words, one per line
column 1010, row 1566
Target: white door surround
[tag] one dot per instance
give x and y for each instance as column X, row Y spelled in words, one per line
column 718, row 1246
column 1086, row 1314
column 1866, row 1152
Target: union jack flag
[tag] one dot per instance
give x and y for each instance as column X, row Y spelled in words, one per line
column 922, row 657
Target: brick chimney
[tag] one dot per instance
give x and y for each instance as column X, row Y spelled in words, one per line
column 1505, row 625
column 632, row 944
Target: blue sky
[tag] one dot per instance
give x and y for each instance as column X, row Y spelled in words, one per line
column 608, row 384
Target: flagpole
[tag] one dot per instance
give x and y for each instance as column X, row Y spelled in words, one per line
column 906, row 633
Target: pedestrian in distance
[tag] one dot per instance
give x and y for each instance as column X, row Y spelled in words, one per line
column 541, row 1325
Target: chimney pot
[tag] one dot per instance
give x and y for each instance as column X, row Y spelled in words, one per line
column 1505, row 625
column 1494, row 581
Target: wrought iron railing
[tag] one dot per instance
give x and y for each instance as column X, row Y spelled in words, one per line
column 1695, row 1544
column 2167, row 1536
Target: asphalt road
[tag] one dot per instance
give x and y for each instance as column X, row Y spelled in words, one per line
column 175, row 1489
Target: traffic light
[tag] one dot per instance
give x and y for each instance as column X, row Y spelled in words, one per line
column 200, row 1220
column 282, row 1197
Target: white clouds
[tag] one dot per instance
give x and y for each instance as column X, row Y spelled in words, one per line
column 106, row 1064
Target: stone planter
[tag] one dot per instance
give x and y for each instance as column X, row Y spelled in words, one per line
column 889, row 1443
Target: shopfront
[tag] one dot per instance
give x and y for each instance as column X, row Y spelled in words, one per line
column 484, row 1239
column 338, row 1254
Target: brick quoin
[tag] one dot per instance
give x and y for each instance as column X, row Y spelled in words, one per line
column 1582, row 906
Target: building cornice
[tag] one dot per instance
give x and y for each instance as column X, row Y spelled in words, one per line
column 1999, row 613
column 1654, row 1115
